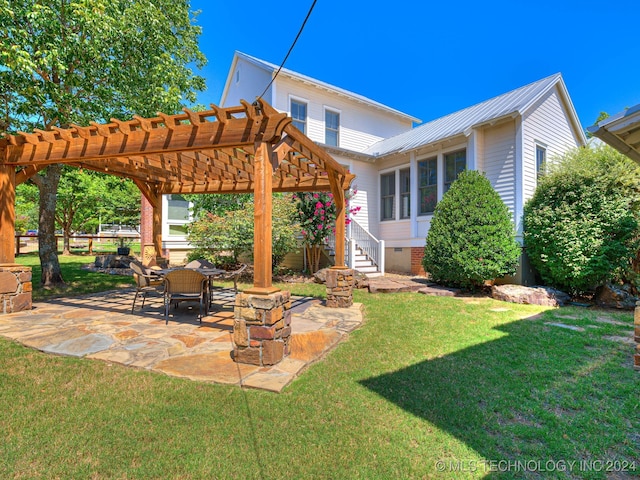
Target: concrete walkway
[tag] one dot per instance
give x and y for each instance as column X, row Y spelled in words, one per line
column 101, row 327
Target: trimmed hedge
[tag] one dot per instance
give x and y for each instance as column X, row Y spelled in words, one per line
column 472, row 237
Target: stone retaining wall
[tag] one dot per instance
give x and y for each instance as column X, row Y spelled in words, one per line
column 15, row 288
column 262, row 328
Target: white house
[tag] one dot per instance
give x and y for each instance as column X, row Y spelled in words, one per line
column 401, row 170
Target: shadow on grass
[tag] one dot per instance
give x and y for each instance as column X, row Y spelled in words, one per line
column 538, row 393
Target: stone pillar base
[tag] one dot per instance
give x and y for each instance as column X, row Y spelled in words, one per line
column 340, row 282
column 262, row 328
column 15, row 288
column 636, row 325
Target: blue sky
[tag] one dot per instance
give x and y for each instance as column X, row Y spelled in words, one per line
column 429, row 59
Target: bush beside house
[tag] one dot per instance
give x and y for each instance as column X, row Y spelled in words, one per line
column 581, row 227
column 471, row 238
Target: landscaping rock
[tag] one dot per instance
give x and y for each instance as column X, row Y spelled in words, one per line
column 529, row 295
column 361, row 280
column 615, row 296
column 438, row 291
column 113, row 261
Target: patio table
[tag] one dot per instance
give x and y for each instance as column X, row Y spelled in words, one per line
column 210, row 273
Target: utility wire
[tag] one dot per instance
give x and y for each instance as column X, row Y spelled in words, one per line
column 290, row 49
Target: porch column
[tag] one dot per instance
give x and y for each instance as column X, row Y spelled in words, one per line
column 15, row 280
column 262, row 315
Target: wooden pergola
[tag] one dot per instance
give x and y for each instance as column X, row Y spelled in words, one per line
column 251, row 148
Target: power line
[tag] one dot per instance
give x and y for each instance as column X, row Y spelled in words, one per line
column 290, row 49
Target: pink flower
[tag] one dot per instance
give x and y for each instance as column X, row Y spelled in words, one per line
column 318, row 205
column 328, row 204
column 315, row 195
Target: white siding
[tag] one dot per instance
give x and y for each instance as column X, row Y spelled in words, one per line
column 252, row 82
column 498, row 161
column 360, row 126
column 547, row 124
column 397, row 233
column 366, row 182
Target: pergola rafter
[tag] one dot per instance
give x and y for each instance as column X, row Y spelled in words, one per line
column 221, row 150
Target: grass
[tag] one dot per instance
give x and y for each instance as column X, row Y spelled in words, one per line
column 424, row 380
column 78, row 281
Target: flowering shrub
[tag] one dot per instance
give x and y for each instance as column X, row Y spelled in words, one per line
column 317, row 219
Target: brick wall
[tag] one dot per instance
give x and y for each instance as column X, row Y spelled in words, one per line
column 416, row 260
column 146, row 222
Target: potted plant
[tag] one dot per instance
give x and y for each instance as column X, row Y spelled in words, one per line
column 124, row 248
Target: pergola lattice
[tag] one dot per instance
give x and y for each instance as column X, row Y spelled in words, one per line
column 250, row 148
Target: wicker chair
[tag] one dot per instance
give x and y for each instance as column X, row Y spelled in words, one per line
column 184, row 285
column 146, row 283
column 234, row 275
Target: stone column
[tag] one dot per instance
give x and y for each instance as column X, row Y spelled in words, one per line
column 262, row 328
column 15, row 288
column 636, row 322
column 340, row 282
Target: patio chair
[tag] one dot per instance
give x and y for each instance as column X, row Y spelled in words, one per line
column 234, row 275
column 184, row 285
column 145, row 283
column 200, row 263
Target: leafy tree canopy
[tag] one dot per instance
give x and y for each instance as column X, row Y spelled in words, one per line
column 76, row 61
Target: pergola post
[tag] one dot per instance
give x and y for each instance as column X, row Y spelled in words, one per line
column 15, row 280
column 340, row 278
column 157, row 222
column 262, row 315
column 262, row 221
column 7, row 214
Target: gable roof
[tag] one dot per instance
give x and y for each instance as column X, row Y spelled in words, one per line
column 513, row 103
column 621, row 131
column 272, row 68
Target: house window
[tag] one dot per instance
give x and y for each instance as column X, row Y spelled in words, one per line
column 428, row 185
column 331, row 127
column 388, row 195
column 299, row 115
column 405, row 197
column 454, row 164
column 178, row 214
column 541, row 158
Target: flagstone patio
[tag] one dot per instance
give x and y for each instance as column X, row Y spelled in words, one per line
column 101, row 327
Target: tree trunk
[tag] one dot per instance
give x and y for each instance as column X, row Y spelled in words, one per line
column 48, row 248
column 66, row 242
column 313, row 257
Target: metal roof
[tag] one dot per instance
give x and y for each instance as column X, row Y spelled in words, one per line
column 332, row 88
column 512, row 103
column 621, row 131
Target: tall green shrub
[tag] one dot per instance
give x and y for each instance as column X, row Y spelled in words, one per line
column 580, row 231
column 471, row 238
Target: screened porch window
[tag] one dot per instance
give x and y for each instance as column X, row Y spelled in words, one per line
column 428, row 185
column 388, row 195
column 405, row 196
column 454, row 164
column 178, row 214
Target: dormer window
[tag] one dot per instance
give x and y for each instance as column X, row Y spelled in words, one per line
column 299, row 115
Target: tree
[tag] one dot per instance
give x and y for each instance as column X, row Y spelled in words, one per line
column 317, row 219
column 75, row 61
column 84, row 197
column 471, row 238
column 581, row 227
column 223, row 239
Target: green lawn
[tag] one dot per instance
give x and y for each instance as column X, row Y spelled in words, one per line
column 424, row 380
